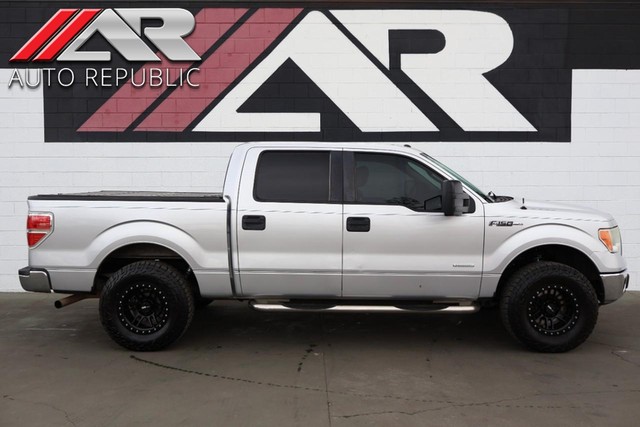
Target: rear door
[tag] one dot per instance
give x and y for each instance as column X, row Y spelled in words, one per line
column 393, row 246
column 289, row 223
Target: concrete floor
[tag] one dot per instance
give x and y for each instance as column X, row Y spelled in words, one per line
column 239, row 367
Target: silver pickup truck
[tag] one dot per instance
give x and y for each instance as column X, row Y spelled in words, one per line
column 327, row 227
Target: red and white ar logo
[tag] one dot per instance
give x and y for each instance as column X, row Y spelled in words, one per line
column 69, row 29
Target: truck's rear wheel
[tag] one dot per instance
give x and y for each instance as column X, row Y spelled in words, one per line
column 146, row 306
column 549, row 307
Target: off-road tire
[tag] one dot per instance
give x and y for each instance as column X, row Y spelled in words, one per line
column 146, row 306
column 549, row 307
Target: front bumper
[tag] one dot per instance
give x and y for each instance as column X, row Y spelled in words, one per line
column 614, row 285
column 34, row 279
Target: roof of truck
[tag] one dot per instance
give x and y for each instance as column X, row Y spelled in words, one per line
column 384, row 146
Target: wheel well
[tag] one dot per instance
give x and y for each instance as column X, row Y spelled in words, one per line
column 556, row 253
column 138, row 252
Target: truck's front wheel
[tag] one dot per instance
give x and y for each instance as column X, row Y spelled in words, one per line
column 549, row 307
column 146, row 306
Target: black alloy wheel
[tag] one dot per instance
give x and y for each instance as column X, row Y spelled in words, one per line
column 143, row 308
column 553, row 310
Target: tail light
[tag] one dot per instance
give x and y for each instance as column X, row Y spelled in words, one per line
column 39, row 226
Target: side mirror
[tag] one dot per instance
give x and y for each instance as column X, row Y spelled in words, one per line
column 455, row 201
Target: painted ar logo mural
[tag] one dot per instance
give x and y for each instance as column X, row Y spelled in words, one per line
column 474, row 43
column 326, row 74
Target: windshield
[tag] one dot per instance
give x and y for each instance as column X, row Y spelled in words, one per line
column 457, row 176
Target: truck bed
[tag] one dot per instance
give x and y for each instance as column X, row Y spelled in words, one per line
column 135, row 196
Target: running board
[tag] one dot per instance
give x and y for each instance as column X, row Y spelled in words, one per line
column 347, row 308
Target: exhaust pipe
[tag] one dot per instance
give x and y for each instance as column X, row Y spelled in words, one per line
column 71, row 299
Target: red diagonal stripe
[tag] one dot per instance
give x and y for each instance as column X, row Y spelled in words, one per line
column 218, row 71
column 43, row 35
column 129, row 102
column 66, row 35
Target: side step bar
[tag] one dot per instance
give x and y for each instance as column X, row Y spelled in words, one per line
column 354, row 308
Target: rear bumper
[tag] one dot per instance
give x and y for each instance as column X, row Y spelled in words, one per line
column 34, row 279
column 614, row 285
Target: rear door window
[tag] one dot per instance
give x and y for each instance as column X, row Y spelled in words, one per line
column 293, row 176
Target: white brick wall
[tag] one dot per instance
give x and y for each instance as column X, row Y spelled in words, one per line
column 599, row 168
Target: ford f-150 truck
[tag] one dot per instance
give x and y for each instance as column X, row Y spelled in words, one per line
column 327, row 227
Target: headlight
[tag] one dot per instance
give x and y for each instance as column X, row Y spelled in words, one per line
column 610, row 237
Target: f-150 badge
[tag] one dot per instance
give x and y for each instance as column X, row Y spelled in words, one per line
column 504, row 223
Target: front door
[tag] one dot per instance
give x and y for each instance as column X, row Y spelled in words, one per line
column 395, row 246
column 289, row 223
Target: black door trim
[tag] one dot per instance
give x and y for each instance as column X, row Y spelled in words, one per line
column 348, row 160
column 336, row 173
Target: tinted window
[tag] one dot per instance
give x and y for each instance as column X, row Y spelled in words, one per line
column 386, row 179
column 292, row 176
